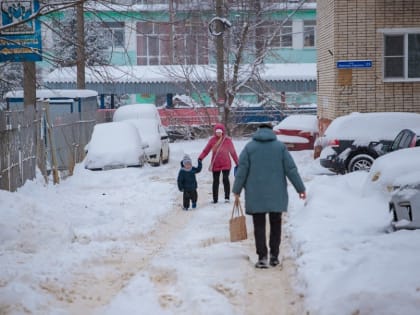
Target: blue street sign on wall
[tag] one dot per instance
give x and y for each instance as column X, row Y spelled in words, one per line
column 20, row 36
column 349, row 64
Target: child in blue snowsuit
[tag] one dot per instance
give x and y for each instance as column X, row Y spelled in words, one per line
column 187, row 182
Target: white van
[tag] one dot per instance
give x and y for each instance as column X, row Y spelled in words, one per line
column 136, row 111
column 145, row 117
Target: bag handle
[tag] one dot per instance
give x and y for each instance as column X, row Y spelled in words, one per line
column 237, row 208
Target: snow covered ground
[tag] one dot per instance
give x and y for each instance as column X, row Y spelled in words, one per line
column 117, row 242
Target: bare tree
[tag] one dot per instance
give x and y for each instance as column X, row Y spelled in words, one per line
column 65, row 41
column 247, row 32
column 247, row 42
column 11, row 77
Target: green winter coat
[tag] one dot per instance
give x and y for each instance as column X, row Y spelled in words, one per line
column 264, row 165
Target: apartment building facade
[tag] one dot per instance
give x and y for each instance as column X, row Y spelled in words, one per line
column 368, row 57
column 168, row 32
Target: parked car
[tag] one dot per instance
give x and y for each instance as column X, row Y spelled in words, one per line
column 145, row 117
column 395, row 169
column 352, row 142
column 153, row 133
column 298, row 132
column 397, row 174
column 136, row 111
column 405, row 208
column 407, row 138
column 115, row 145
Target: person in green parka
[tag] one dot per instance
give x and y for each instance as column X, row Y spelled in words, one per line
column 264, row 166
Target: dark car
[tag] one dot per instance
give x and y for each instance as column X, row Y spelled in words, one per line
column 352, row 142
column 407, row 138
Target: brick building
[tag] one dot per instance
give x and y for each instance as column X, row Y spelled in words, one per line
column 368, row 57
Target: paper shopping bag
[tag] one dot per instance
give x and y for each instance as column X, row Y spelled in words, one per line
column 237, row 224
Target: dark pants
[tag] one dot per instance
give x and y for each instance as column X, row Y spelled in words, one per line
column 226, row 184
column 189, row 195
column 260, row 235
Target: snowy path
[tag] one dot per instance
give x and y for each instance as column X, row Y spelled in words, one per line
column 87, row 291
column 100, row 280
column 273, row 285
column 117, row 242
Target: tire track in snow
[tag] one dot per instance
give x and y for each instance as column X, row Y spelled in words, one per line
column 97, row 281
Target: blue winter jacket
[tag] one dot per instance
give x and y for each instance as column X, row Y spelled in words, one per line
column 186, row 178
column 264, row 166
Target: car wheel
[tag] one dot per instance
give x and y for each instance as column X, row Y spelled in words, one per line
column 360, row 162
column 160, row 160
column 165, row 161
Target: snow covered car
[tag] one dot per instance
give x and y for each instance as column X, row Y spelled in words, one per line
column 146, row 118
column 136, row 111
column 153, row 133
column 298, row 132
column 398, row 174
column 405, row 208
column 115, row 145
column 352, row 142
column 395, row 170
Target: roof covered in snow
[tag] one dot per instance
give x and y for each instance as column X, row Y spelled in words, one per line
column 159, row 74
column 50, row 93
column 178, row 78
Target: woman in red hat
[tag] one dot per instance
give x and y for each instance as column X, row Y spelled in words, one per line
column 222, row 150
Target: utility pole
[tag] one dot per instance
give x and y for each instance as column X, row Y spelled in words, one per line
column 30, row 107
column 221, row 83
column 172, row 48
column 80, row 31
column 29, row 84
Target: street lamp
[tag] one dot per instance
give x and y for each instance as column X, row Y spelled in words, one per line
column 213, row 26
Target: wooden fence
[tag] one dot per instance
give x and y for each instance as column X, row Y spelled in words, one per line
column 28, row 139
column 18, row 147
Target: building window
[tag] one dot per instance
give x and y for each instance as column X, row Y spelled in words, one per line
column 413, row 62
column 278, row 35
column 286, row 36
column 189, row 44
column 402, row 57
column 153, row 43
column 113, row 33
column 309, row 33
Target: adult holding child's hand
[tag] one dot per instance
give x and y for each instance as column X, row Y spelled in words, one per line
column 222, row 149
